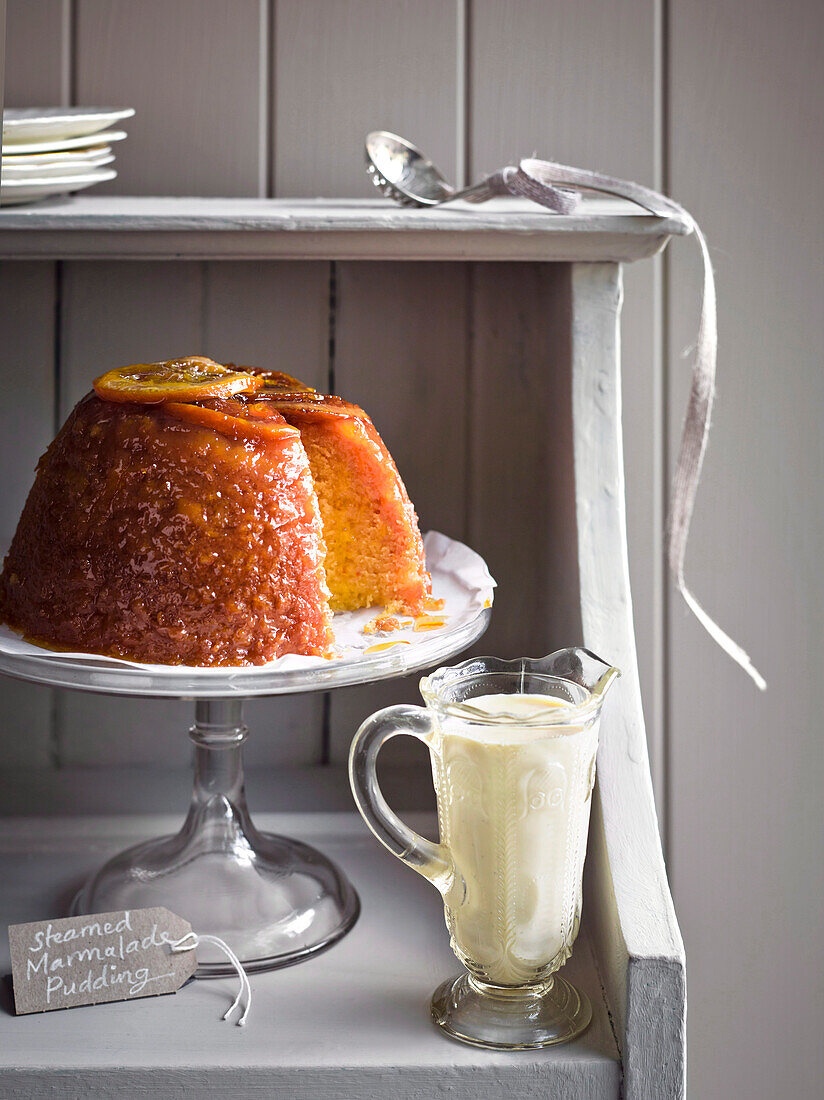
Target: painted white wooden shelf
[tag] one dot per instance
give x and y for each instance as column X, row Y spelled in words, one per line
column 628, row 909
column 115, row 227
column 350, row 1023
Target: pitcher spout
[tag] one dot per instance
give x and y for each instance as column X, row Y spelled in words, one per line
column 582, row 667
column 606, row 681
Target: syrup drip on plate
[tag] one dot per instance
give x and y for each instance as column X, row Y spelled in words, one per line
column 381, row 646
column 428, row 622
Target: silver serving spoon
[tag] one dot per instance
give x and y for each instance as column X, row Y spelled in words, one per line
column 401, row 172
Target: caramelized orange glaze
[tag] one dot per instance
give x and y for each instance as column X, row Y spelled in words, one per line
column 277, row 380
column 171, row 537
column 203, row 530
column 381, row 646
column 382, row 624
column 428, row 622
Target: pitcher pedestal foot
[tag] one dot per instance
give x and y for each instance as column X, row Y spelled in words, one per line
column 513, row 1020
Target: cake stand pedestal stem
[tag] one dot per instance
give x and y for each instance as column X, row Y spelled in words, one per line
column 218, row 810
column 274, row 900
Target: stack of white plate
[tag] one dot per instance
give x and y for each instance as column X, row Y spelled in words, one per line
column 51, row 151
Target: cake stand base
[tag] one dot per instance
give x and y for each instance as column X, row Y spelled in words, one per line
column 274, row 900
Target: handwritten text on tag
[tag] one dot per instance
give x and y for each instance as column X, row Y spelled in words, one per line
column 104, row 957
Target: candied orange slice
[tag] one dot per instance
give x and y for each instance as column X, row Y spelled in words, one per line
column 188, row 379
column 276, row 381
column 314, row 406
column 236, row 427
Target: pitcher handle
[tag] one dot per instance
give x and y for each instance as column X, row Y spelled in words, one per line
column 431, row 860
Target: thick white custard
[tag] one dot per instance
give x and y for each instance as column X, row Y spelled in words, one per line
column 513, row 804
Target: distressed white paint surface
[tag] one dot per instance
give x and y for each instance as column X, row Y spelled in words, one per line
column 358, row 229
column 740, row 84
column 85, row 791
column 188, row 229
column 628, row 898
column 352, row 1024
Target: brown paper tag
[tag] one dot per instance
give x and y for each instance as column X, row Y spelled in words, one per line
column 105, row 957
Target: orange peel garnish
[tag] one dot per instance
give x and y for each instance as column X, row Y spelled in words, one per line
column 191, row 378
column 236, row 427
column 314, row 406
column 276, row 381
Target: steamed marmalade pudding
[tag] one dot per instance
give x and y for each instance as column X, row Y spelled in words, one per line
column 191, row 513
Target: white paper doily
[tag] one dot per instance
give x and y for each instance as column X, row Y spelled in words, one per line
column 459, row 577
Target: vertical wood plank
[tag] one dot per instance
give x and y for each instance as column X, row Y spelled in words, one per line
column 522, row 510
column 345, row 67
column 577, row 84
column 192, row 71
column 274, row 315
column 269, row 314
column 632, row 918
column 400, row 351
column 37, row 53
column 34, row 29
column 747, row 769
column 2, row 57
column 563, row 83
column 116, row 313
column 103, row 730
column 641, row 384
column 27, row 309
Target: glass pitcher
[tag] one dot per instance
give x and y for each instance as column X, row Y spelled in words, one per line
column 513, row 746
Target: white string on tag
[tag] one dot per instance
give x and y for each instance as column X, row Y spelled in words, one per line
column 192, row 940
column 534, row 179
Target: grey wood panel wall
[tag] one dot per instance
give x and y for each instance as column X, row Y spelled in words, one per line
column 38, row 53
column 27, row 324
column 193, row 70
column 720, row 102
column 746, row 770
column 342, row 69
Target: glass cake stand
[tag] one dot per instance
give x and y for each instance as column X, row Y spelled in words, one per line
column 274, row 900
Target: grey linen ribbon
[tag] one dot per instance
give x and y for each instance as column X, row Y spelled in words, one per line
column 536, row 179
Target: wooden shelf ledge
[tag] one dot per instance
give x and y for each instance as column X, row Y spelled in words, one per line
column 115, row 227
column 351, row 1023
